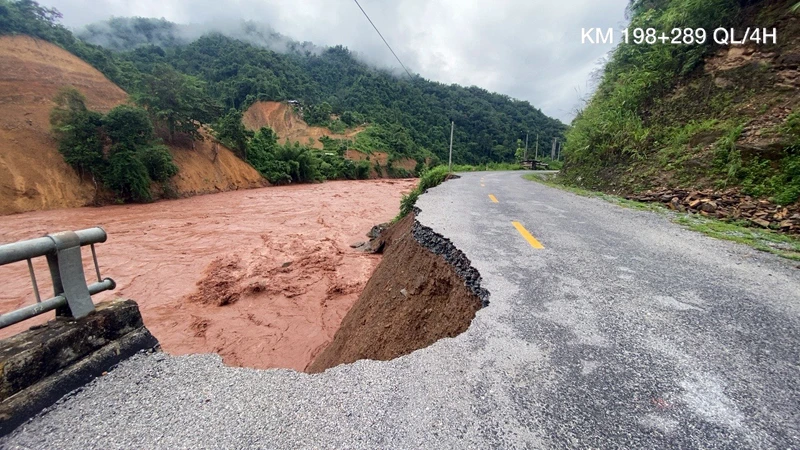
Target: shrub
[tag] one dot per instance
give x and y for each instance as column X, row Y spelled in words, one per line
column 127, row 176
column 79, row 132
column 129, row 125
column 158, row 162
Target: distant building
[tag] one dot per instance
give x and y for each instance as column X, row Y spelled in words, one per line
column 293, row 102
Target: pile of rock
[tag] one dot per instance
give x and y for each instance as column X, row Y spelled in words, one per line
column 728, row 205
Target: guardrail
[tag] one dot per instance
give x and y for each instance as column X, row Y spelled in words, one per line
column 72, row 295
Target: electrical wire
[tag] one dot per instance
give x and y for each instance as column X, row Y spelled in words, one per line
column 384, row 39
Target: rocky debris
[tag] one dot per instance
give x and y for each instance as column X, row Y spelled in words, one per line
column 728, row 205
column 376, row 230
column 362, row 246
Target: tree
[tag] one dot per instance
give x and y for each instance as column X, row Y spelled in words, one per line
column 134, row 158
column 158, row 162
column 127, row 176
column 79, row 132
column 519, row 154
column 181, row 83
column 177, row 100
column 231, row 131
column 129, row 125
column 28, row 17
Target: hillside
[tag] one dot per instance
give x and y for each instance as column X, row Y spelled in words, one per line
column 711, row 118
column 33, row 174
column 238, row 73
column 285, row 122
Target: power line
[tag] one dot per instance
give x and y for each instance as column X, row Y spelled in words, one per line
column 384, row 39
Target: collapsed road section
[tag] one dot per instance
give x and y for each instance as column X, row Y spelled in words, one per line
column 423, row 290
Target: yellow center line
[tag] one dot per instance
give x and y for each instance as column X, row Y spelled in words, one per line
column 493, row 198
column 528, row 237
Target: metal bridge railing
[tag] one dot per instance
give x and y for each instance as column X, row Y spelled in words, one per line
column 72, row 295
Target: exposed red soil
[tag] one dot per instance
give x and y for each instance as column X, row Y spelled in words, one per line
column 210, row 167
column 413, row 299
column 382, row 159
column 263, row 277
column 287, row 125
column 33, row 174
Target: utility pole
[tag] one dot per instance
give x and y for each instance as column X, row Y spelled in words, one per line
column 525, row 158
column 553, row 149
column 450, row 164
column 537, row 146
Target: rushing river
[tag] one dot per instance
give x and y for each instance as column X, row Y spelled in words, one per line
column 280, row 258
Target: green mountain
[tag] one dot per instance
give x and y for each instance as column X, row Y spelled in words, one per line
column 413, row 114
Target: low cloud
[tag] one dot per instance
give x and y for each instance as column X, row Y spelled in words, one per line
column 527, row 49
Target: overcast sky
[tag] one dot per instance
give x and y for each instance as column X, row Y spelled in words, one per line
column 527, row 49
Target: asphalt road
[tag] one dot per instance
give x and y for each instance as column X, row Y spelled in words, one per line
column 618, row 330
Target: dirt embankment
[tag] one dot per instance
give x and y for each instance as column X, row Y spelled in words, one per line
column 423, row 290
column 263, row 277
column 33, row 174
column 210, row 167
column 287, row 125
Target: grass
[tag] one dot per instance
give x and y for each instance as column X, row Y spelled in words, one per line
column 770, row 241
column 554, row 164
column 428, row 179
column 783, row 245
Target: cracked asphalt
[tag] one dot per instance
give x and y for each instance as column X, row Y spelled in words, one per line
column 624, row 331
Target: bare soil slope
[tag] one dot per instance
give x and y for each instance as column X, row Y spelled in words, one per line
column 210, row 167
column 381, row 160
column 287, row 125
column 33, row 174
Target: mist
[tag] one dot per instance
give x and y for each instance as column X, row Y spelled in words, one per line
column 127, row 33
column 526, row 49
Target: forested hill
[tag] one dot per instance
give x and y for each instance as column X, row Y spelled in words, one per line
column 413, row 113
column 488, row 125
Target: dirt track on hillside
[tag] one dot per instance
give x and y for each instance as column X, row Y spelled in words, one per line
column 277, row 259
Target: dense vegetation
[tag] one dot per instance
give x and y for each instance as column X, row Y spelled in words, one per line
column 292, row 162
column 119, row 150
column 659, row 118
column 184, row 84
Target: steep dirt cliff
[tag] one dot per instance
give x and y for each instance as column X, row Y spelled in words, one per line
column 423, row 290
column 33, row 174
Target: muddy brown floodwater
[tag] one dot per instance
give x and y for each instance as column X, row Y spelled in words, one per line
column 263, row 277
